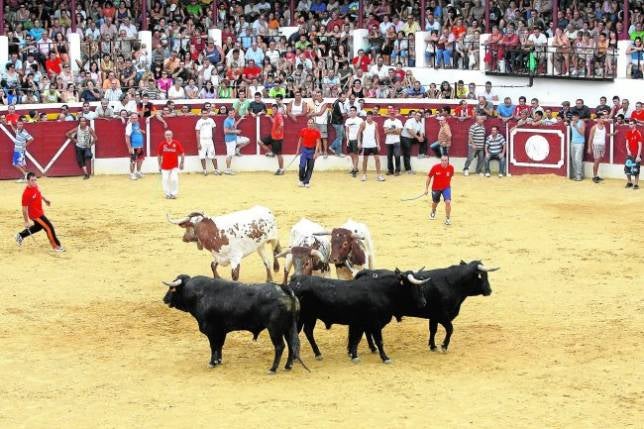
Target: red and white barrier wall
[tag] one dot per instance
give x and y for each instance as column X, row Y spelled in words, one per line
column 531, row 150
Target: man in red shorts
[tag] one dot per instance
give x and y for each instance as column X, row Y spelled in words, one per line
column 634, row 155
column 32, row 211
column 442, row 174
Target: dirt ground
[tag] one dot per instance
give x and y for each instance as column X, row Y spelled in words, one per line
column 85, row 340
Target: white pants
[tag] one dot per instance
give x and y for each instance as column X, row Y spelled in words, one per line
column 577, row 157
column 170, row 181
column 207, row 149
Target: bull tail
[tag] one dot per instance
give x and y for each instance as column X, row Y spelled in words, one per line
column 294, row 338
column 277, row 249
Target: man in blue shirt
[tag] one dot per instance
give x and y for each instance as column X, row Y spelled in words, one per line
column 233, row 139
column 505, row 110
column 134, row 141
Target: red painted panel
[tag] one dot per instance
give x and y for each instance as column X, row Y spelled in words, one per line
column 111, row 138
column 555, row 142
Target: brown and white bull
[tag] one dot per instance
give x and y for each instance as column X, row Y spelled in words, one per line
column 233, row 236
column 308, row 254
column 351, row 249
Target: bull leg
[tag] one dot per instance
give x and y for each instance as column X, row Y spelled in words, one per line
column 308, row 331
column 370, row 339
column 262, row 254
column 235, row 272
column 377, row 334
column 276, row 251
column 278, row 343
column 433, row 327
column 448, row 334
column 216, row 340
column 213, row 266
column 355, row 334
column 291, row 356
column 287, row 267
column 220, row 347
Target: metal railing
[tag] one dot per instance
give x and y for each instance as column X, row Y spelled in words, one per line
column 572, row 63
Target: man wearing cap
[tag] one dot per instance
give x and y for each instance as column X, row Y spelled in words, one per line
column 204, row 129
column 577, row 141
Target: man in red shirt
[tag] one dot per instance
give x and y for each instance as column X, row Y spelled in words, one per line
column 362, row 61
column 442, row 174
column 168, row 155
column 634, row 154
column 53, row 64
column 32, row 211
column 310, row 140
column 273, row 143
column 251, row 71
column 638, row 114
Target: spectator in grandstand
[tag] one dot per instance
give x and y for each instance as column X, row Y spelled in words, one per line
column 441, row 147
column 352, row 125
column 549, row 117
column 272, row 143
column 392, row 128
column 233, row 139
column 506, row 110
column 104, row 111
column 626, row 109
column 578, row 128
column 524, row 118
column 488, row 93
column 602, row 107
column 535, row 107
column 87, row 112
column 638, row 113
column 476, row 146
column 169, row 151
column 297, row 107
column 581, row 108
column 416, row 90
column 257, row 107
column 635, row 68
column 463, row 111
column 495, row 149
column 537, row 118
column 634, row 155
column 484, row 107
column 242, row 104
column 134, row 141
column 65, row 114
column 176, row 91
column 83, row 138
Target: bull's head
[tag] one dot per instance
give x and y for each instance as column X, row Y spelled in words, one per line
column 189, row 223
column 345, row 243
column 477, row 279
column 305, row 260
column 174, row 297
column 415, row 282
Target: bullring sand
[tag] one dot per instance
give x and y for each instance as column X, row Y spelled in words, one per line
column 85, row 340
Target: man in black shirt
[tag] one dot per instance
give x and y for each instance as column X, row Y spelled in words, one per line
column 581, row 109
column 338, row 115
column 257, row 106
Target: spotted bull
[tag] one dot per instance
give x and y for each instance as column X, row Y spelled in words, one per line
column 233, row 236
column 307, row 254
column 351, row 249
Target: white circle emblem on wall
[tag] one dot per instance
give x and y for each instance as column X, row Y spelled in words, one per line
column 537, row 147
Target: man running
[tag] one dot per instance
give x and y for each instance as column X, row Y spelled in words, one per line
column 84, row 138
column 442, row 174
column 32, row 210
column 310, row 140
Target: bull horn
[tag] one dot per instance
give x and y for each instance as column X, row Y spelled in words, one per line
column 175, row 221
column 485, row 269
column 322, row 233
column 357, row 236
column 283, row 253
column 173, row 283
column 414, row 280
column 318, row 254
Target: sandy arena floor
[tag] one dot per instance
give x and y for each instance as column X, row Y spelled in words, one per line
column 86, row 342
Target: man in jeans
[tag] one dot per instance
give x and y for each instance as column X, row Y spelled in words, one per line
column 495, row 149
column 475, row 146
column 577, row 128
column 338, row 115
column 412, row 132
column 393, row 127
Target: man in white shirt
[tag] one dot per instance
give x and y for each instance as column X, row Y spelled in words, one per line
column 176, row 91
column 385, row 25
column 204, row 129
column 413, row 131
column 379, row 69
column 369, row 143
column 352, row 126
column 272, row 54
column 393, row 127
column 130, row 29
column 205, row 71
column 487, row 93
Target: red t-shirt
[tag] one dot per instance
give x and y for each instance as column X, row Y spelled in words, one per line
column 12, row 118
column 362, row 62
column 521, row 107
column 169, row 153
column 53, row 66
column 252, row 72
column 638, row 115
column 442, row 176
column 310, row 137
column 633, row 137
column 32, row 198
column 277, row 130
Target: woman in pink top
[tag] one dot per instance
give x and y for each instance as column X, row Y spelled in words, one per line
column 164, row 82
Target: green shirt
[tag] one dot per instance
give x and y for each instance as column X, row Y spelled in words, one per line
column 193, row 9
column 275, row 91
column 241, row 107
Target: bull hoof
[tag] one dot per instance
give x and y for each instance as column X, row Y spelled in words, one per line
column 212, row 364
column 374, row 350
column 288, row 367
column 444, row 349
column 432, row 348
column 319, row 357
column 387, row 361
column 355, row 360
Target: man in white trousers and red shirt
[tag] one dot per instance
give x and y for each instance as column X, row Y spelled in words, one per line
column 169, row 165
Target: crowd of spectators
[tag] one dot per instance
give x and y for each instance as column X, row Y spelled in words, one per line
column 185, row 64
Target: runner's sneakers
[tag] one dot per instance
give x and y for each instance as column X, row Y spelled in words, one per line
column 432, row 216
column 139, row 174
column 19, row 240
column 466, row 173
column 380, row 179
column 448, row 221
column 364, row 178
column 218, row 172
column 300, row 184
column 133, row 176
column 628, row 185
column 306, row 185
column 59, row 249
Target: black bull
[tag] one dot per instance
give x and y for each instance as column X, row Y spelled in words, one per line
column 444, row 293
column 222, row 306
column 365, row 304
